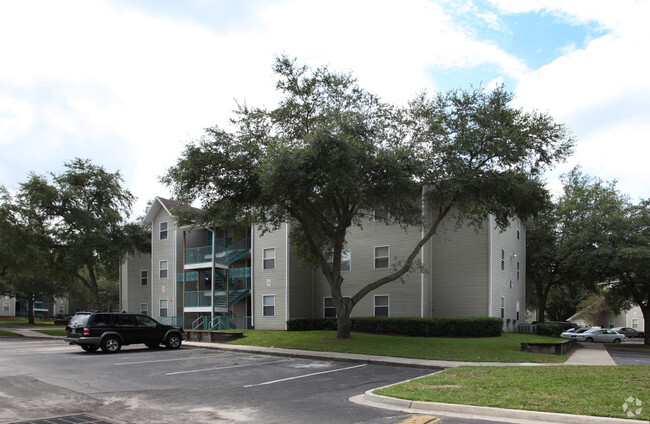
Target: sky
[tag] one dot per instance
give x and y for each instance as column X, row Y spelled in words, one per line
column 127, row 84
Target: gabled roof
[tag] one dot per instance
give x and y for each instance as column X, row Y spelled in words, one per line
column 170, row 206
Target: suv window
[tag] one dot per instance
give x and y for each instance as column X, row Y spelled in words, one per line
column 146, row 321
column 102, row 319
column 124, row 319
column 79, row 320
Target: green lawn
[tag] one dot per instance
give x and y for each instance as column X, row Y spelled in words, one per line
column 489, row 349
column 23, row 321
column 6, row 333
column 53, row 332
column 583, row 390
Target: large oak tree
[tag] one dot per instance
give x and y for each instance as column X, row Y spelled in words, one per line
column 331, row 152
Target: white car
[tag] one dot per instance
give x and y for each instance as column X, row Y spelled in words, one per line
column 601, row 335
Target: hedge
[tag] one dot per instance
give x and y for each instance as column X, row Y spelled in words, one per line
column 417, row 327
column 548, row 329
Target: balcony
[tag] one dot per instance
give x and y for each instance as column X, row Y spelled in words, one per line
column 223, row 298
column 226, row 252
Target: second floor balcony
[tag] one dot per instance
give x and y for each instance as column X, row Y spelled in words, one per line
column 225, row 253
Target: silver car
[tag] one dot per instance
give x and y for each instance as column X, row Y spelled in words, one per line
column 629, row 332
column 601, row 335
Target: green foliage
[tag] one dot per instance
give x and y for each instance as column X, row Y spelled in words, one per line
column 73, row 224
column 547, row 329
column 417, row 327
column 331, row 151
column 311, row 324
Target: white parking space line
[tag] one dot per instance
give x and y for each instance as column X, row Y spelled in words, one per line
column 303, row 376
column 225, row 368
column 151, row 361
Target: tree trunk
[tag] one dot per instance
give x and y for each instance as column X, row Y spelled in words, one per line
column 30, row 308
column 94, row 287
column 343, row 326
column 541, row 303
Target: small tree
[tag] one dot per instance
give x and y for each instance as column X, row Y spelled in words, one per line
column 330, row 152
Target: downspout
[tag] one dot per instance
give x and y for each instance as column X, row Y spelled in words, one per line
column 252, row 265
column 422, row 258
column 286, row 273
column 212, row 273
column 184, row 279
column 490, row 225
column 175, row 275
column 153, row 230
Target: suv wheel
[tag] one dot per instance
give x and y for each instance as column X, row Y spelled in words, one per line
column 111, row 344
column 173, row 341
column 89, row 348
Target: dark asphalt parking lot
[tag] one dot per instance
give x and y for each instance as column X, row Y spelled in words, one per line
column 52, row 379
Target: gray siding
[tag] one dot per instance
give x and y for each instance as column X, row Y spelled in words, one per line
column 133, row 293
column 459, row 271
column 301, row 287
column 163, row 250
column 270, row 281
column 505, row 283
column 405, row 294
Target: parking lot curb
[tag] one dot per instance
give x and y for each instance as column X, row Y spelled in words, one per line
column 480, row 412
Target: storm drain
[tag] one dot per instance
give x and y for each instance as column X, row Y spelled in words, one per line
column 70, row 419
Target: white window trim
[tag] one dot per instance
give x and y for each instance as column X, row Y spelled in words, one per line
column 166, row 230
column 374, row 301
column 264, row 258
column 330, row 261
column 375, row 257
column 332, row 307
column 145, row 310
column 503, row 307
column 146, row 277
column 265, row 306
column 166, row 308
column 166, row 269
column 503, row 260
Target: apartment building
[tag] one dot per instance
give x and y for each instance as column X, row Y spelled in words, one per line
column 257, row 280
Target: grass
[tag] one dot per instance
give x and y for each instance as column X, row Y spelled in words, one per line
column 24, row 321
column 5, row 333
column 489, row 349
column 582, row 390
column 53, row 332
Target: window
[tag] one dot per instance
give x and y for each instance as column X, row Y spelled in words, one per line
column 345, row 260
column 163, row 231
column 145, row 321
column 163, row 307
column 381, row 306
column 269, row 258
column 518, row 230
column 382, row 257
column 143, row 277
column 268, row 304
column 329, row 310
column 635, row 323
column 503, row 307
column 163, row 269
column 144, row 309
column 518, row 271
column 381, row 214
column 60, row 309
column 125, row 319
column 517, row 310
column 503, row 260
column 5, row 305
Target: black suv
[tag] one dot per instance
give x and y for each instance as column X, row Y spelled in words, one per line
column 111, row 330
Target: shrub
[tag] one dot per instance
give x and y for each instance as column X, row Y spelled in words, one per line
column 417, row 327
column 547, row 329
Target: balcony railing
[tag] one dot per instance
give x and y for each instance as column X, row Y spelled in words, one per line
column 222, row 298
column 225, row 252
